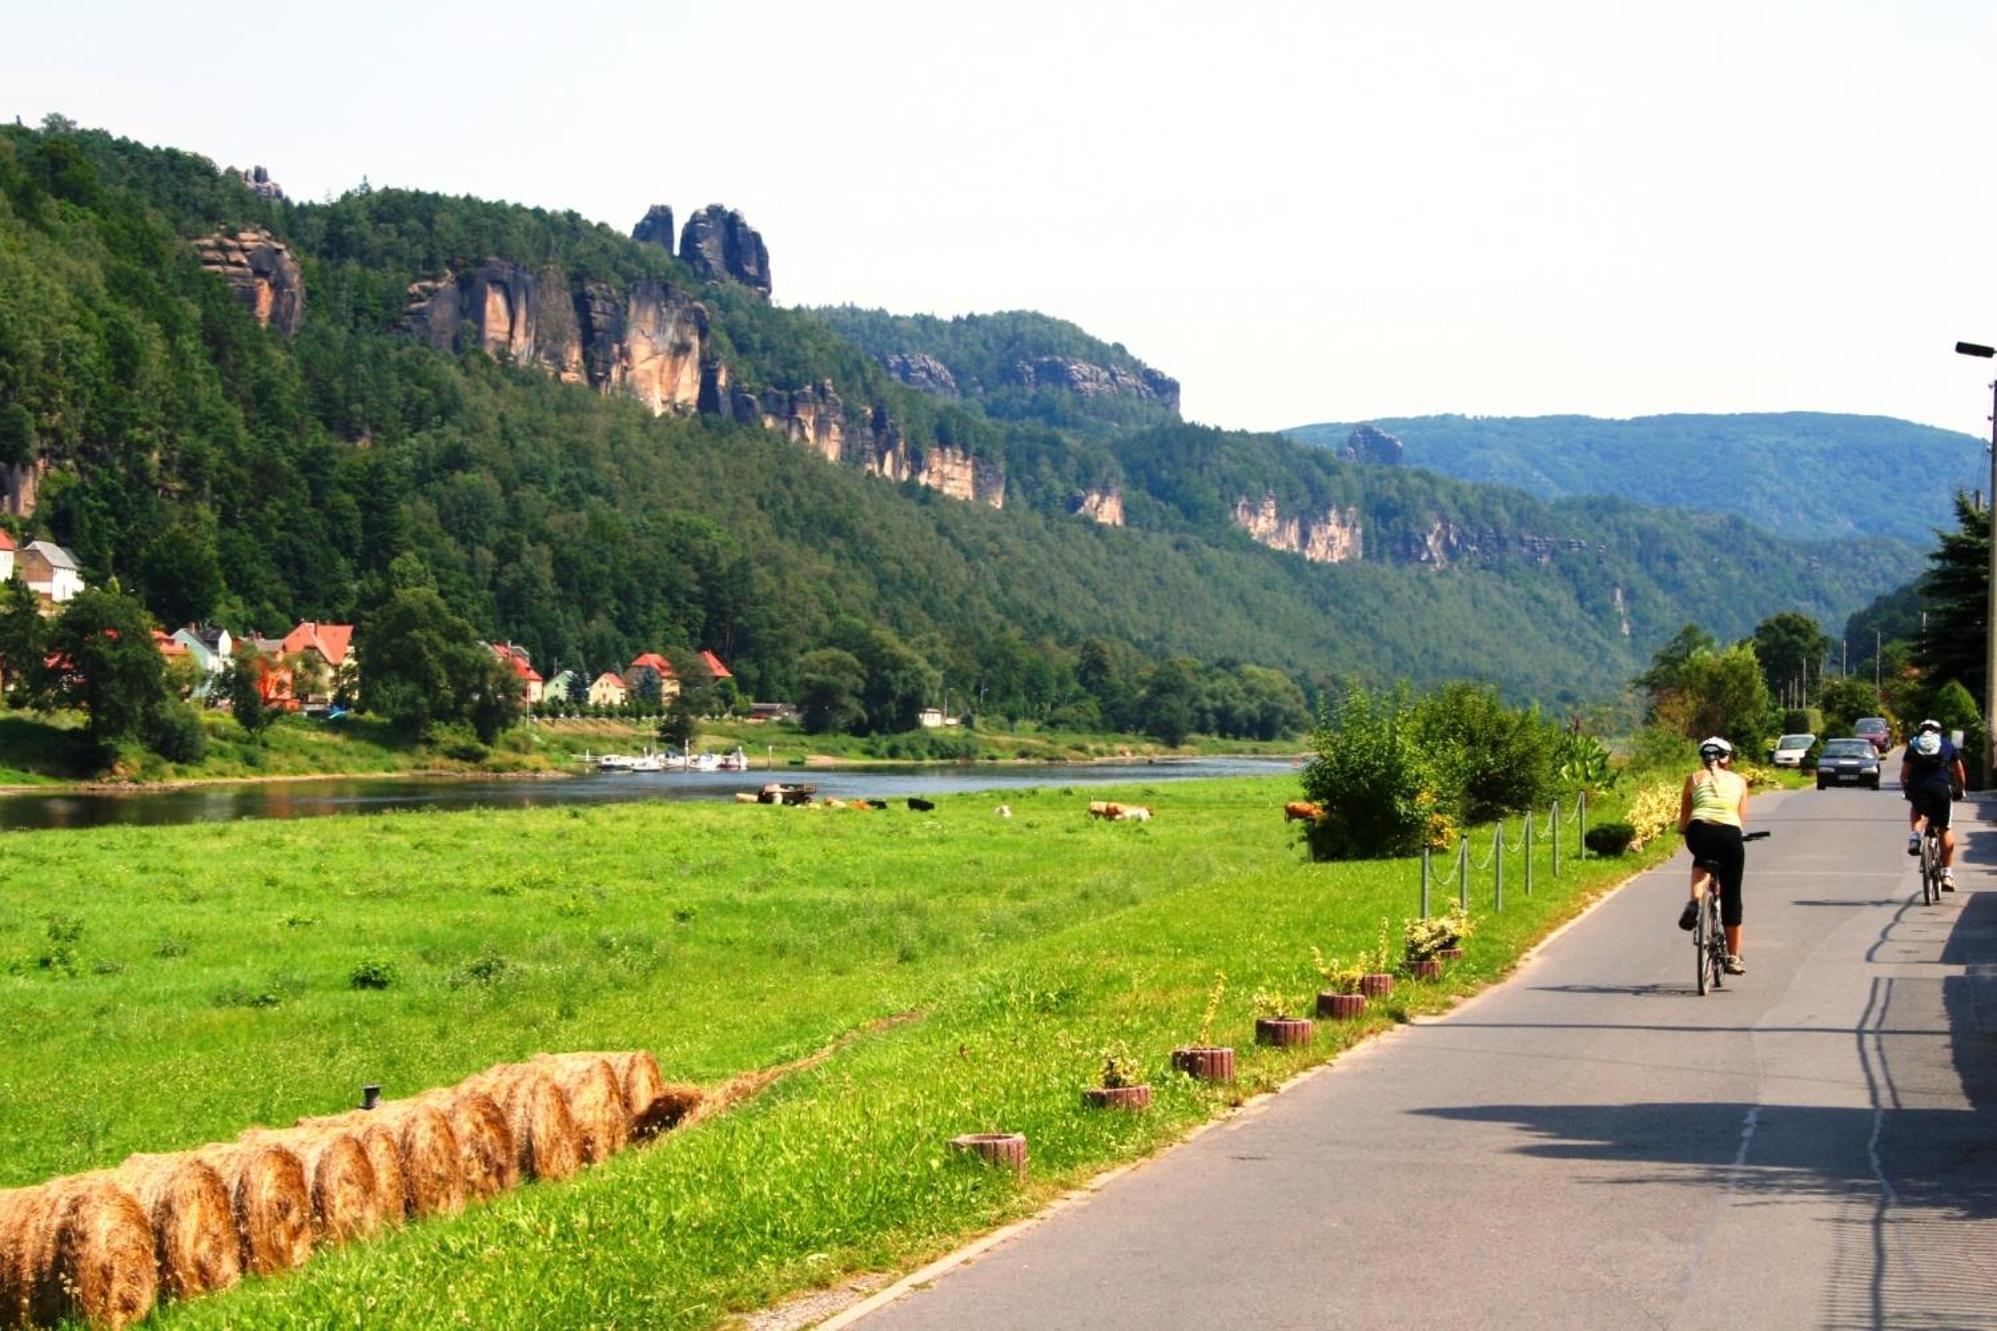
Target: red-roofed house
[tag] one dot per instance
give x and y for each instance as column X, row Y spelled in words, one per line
column 606, row 691
column 634, row 675
column 532, row 687
column 333, row 642
column 714, row 666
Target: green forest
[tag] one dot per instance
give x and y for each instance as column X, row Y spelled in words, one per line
column 222, row 471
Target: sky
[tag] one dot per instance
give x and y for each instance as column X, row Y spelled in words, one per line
column 1304, row 212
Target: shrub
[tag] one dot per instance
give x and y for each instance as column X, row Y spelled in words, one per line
column 1610, row 838
column 466, row 751
column 1496, row 759
column 1340, row 977
column 177, row 735
column 1377, row 781
column 1653, row 812
column 1423, row 938
column 1119, row 1068
column 373, row 974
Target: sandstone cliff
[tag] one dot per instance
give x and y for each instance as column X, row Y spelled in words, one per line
column 1368, row 443
column 1333, row 537
column 1087, row 380
column 717, row 243
column 922, row 372
column 648, row 340
column 655, row 228
column 1104, row 506
column 262, row 273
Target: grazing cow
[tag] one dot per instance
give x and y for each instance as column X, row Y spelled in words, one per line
column 1302, row 810
column 1101, row 809
column 1003, row 811
column 921, row 805
column 1133, row 813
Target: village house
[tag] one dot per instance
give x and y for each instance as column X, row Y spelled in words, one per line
column 715, row 670
column 657, row 665
column 210, row 649
column 6, row 556
column 532, row 687
column 561, row 686
column 51, row 572
column 332, row 644
column 275, row 684
column 607, row 691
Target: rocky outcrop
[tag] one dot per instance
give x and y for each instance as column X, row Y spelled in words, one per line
column 1370, row 444
column 20, row 483
column 649, row 339
column 1087, row 380
column 1621, row 603
column 1335, row 537
column 961, row 476
column 260, row 184
column 922, row 372
column 1443, row 543
column 655, row 227
column 262, row 273
column 717, row 243
column 1104, row 506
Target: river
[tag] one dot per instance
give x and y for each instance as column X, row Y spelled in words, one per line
column 320, row 799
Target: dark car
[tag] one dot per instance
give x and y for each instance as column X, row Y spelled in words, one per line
column 1848, row 762
column 1876, row 730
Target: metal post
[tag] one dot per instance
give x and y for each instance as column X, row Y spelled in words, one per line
column 1990, row 611
column 1581, row 828
column 1554, row 816
column 1498, row 859
column 1424, row 882
column 1528, row 852
column 1463, row 872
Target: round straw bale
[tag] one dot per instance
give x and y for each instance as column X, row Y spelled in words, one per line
column 194, row 1230
column 270, row 1201
column 77, row 1247
column 654, row 1105
column 485, row 1143
column 414, row 1146
column 596, row 1099
column 545, row 1141
column 345, row 1203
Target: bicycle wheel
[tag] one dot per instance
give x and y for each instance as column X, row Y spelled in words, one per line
column 1716, row 941
column 1699, row 948
column 1931, row 872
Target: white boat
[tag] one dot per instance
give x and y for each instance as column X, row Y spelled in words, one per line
column 651, row 762
column 615, row 762
column 737, row 761
column 703, row 762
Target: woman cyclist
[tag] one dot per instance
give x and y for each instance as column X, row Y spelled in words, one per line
column 1712, row 813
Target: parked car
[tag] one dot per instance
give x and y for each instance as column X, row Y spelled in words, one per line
column 1876, row 729
column 1790, row 750
column 1848, row 762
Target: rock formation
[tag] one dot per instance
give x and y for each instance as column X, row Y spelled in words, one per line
column 655, row 227
column 20, row 485
column 1368, row 443
column 262, row 273
column 717, row 243
column 1335, row 537
column 650, row 340
column 1087, row 380
column 923, row 372
column 260, row 184
column 1104, row 506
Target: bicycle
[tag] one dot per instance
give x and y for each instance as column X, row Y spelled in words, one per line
column 1931, row 863
column 1709, row 935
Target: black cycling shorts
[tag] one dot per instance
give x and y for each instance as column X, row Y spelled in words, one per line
column 1932, row 803
column 1719, row 847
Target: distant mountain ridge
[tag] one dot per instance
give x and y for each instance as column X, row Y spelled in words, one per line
column 1806, row 474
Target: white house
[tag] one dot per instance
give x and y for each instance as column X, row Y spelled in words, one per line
column 51, row 571
column 6, row 556
column 211, row 649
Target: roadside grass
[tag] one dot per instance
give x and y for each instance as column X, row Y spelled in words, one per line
column 169, row 986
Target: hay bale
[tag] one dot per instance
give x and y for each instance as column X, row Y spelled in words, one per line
column 653, row 1105
column 545, row 1141
column 485, row 1142
column 417, row 1169
column 596, row 1099
column 346, row 1203
column 269, row 1201
column 194, row 1230
column 77, row 1247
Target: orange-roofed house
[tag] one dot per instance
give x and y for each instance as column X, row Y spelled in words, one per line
column 331, row 643
column 714, row 667
column 634, row 675
column 532, row 687
column 607, row 691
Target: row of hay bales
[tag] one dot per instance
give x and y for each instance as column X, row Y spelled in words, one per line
column 105, row 1246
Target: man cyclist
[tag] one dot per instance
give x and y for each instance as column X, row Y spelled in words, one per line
column 1930, row 774
column 1712, row 813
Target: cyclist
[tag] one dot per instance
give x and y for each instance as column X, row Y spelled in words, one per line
column 1930, row 774
column 1712, row 813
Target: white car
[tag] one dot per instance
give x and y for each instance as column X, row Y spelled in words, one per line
column 1790, row 749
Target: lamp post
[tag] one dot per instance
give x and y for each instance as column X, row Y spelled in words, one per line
column 1990, row 608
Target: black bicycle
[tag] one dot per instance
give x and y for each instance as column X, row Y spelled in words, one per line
column 1931, row 863
column 1709, row 935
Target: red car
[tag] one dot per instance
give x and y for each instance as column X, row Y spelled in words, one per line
column 1876, row 729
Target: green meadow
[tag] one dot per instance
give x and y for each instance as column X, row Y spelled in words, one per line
column 166, row 987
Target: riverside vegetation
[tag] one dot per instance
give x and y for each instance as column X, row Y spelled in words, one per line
column 291, row 966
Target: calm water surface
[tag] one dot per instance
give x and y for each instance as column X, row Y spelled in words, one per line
column 319, row 799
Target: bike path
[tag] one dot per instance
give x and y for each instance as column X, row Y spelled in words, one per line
column 1592, row 1144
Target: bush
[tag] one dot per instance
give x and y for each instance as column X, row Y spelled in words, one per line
column 1495, row 759
column 1610, row 838
column 177, row 735
column 373, row 974
column 1654, row 811
column 1377, row 781
column 466, row 751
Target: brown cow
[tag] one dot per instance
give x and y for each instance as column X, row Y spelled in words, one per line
column 1297, row 810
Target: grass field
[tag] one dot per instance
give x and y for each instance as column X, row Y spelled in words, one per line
column 165, row 987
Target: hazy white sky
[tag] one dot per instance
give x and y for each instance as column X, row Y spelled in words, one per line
column 1304, row 211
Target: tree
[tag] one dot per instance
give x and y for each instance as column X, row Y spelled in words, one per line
column 1719, row 693
column 1844, row 700
column 1495, row 759
column 242, row 685
column 1791, row 648
column 1662, row 679
column 23, row 638
column 420, row 664
column 1374, row 777
column 107, row 665
column 1168, row 705
column 1956, row 587
column 831, row 683
column 1956, row 710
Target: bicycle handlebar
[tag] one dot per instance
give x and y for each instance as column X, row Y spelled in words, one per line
column 1754, row 836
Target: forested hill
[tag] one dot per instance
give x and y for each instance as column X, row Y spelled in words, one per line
column 1800, row 473
column 250, row 411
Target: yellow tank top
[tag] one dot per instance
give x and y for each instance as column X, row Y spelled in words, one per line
column 1716, row 797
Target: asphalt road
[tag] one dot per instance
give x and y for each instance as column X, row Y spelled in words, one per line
column 1594, row 1145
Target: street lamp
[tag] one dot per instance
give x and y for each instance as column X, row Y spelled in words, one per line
column 1990, row 607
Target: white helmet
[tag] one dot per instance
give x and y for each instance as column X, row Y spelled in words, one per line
column 1715, row 748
